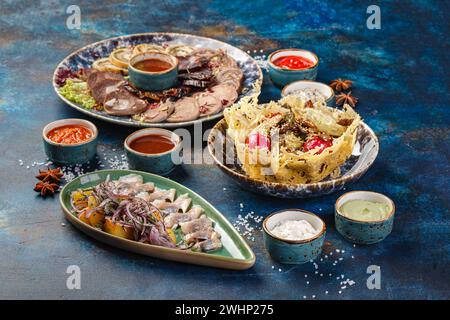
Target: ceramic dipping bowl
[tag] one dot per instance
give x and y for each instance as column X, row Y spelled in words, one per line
column 158, row 163
column 281, row 77
column 153, row 81
column 323, row 88
column 364, row 232
column 293, row 251
column 70, row 154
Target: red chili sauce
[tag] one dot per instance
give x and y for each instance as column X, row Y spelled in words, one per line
column 293, row 62
column 152, row 143
column 152, row 65
column 70, row 134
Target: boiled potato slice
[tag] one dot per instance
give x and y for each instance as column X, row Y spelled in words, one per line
column 96, row 219
column 82, row 217
column 118, row 229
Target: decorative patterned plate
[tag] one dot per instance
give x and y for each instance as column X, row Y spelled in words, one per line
column 85, row 56
column 364, row 154
column 235, row 254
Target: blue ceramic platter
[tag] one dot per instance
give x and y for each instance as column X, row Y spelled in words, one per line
column 85, row 56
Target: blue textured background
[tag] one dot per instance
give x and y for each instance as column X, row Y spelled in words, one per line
column 401, row 78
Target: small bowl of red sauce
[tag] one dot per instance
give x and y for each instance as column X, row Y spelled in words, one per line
column 153, row 150
column 289, row 65
column 70, row 141
column 153, row 71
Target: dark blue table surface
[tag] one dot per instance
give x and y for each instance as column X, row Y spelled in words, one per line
column 401, row 77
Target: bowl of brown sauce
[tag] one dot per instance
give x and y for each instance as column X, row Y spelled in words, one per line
column 153, row 150
column 153, row 71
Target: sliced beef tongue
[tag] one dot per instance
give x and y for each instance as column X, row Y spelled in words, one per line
column 121, row 102
column 185, row 109
column 105, row 87
column 226, row 93
column 207, row 103
column 109, row 89
column 158, row 112
column 94, row 77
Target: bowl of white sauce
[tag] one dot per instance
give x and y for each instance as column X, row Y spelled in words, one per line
column 293, row 236
column 310, row 90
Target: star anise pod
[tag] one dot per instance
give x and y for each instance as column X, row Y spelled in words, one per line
column 50, row 175
column 346, row 98
column 340, row 85
column 46, row 188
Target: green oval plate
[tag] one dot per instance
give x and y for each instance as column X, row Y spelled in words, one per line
column 235, row 254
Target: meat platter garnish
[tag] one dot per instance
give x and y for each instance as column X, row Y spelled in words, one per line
column 134, row 210
column 208, row 81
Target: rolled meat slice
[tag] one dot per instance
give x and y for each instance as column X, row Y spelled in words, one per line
column 185, row 109
column 226, row 94
column 122, row 103
column 158, row 112
column 207, row 103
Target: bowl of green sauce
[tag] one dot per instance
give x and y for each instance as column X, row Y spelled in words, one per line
column 364, row 217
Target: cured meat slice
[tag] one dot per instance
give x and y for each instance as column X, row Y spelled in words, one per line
column 207, row 103
column 177, row 217
column 200, row 224
column 158, row 112
column 122, row 103
column 198, row 235
column 230, row 74
column 185, row 109
column 162, row 194
column 213, row 243
column 226, row 94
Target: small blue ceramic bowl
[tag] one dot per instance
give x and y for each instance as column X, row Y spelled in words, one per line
column 364, row 232
column 70, row 154
column 323, row 88
column 158, row 163
column 153, row 81
column 281, row 77
column 293, row 251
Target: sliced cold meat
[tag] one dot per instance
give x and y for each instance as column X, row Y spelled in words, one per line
column 158, row 112
column 226, row 94
column 200, row 224
column 122, row 103
column 207, row 103
column 94, row 77
column 222, row 60
column 230, row 75
column 104, row 88
column 185, row 109
column 213, row 243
